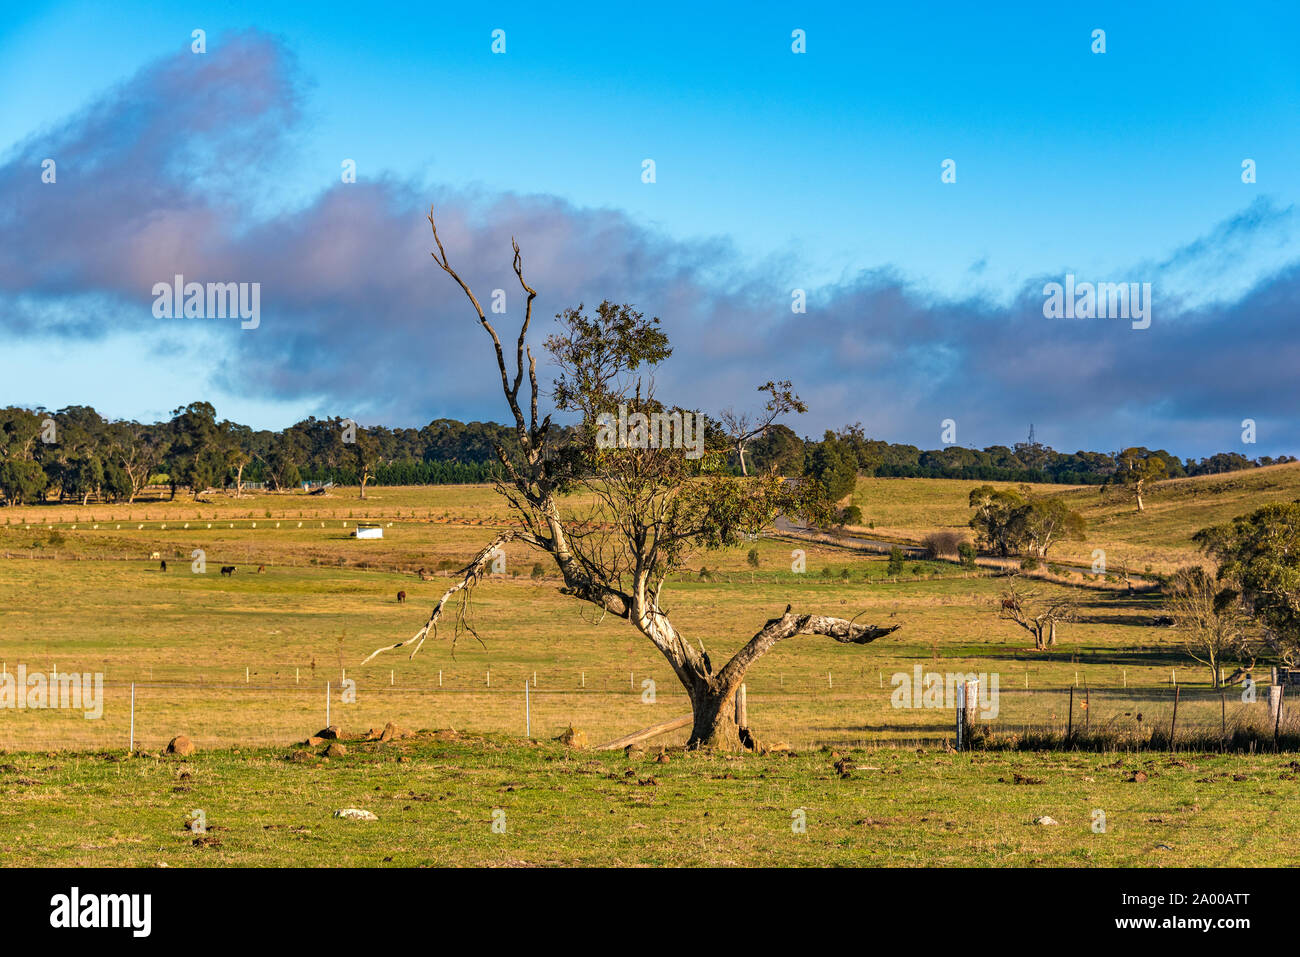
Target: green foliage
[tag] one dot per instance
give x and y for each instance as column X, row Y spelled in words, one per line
column 896, row 560
column 752, row 558
column 1259, row 565
column 966, row 552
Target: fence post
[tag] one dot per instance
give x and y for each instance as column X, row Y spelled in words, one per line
column 961, row 713
column 131, row 749
column 327, row 704
column 1223, row 719
column 1173, row 724
column 971, row 696
column 1277, row 720
column 742, row 708
column 1069, row 726
column 528, row 714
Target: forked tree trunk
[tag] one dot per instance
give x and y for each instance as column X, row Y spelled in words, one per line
column 714, row 723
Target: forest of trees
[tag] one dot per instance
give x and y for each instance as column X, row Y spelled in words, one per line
column 75, row 454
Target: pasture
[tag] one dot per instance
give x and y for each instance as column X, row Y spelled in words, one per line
column 241, row 665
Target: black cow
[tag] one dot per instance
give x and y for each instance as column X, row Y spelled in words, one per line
column 227, row 569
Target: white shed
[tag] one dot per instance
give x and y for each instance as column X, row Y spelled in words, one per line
column 368, row 531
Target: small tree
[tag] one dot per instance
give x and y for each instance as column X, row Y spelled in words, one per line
column 895, row 566
column 741, row 430
column 1036, row 614
column 1136, row 468
column 752, row 558
column 1209, row 618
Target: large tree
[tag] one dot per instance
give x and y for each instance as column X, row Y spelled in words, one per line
column 647, row 509
column 1259, row 562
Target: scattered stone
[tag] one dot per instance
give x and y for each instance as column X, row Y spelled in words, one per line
column 634, row 749
column 1045, row 820
column 573, row 739
column 299, row 756
column 181, row 745
column 336, row 750
column 355, row 814
column 315, row 741
column 392, row 732
column 1138, row 777
column 662, row 756
column 1019, row 778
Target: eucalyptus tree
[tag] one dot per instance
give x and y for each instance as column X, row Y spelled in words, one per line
column 646, row 506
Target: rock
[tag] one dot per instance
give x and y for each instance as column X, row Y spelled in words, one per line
column 1139, row 777
column 315, row 741
column 1045, row 820
column 299, row 756
column 573, row 739
column 330, row 733
column 392, row 732
column 181, row 745
column 634, row 749
column 335, row 750
column 355, row 814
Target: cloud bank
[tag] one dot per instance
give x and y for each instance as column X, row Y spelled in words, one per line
column 174, row 172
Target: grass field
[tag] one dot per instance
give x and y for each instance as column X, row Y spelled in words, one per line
column 435, row 798
column 241, row 665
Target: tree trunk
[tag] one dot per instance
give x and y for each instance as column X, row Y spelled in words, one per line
column 714, row 718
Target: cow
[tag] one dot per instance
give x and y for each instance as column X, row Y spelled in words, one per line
column 227, row 569
column 1010, row 604
column 162, row 565
column 401, row 596
column 261, row 569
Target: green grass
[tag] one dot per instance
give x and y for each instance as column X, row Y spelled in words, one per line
column 435, row 797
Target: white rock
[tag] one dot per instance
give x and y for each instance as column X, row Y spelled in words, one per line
column 356, row 814
column 1045, row 820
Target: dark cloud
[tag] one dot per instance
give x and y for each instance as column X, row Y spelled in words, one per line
column 355, row 314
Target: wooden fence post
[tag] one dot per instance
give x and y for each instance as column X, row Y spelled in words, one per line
column 1069, row 726
column 1277, row 719
column 742, row 708
column 1173, row 724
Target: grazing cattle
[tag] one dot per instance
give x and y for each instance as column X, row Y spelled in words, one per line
column 424, row 576
column 227, row 569
column 401, row 596
column 1010, row 604
column 162, row 566
column 261, row 569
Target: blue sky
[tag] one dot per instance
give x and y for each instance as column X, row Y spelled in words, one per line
column 774, row 171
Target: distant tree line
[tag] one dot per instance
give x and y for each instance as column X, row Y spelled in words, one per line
column 842, row 455
column 75, row 454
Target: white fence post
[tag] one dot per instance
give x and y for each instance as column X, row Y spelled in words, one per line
column 132, row 747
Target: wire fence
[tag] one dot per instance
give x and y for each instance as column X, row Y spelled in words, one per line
column 269, row 710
